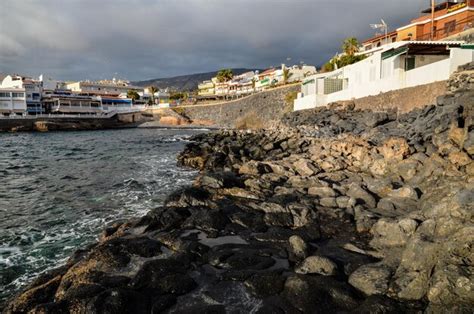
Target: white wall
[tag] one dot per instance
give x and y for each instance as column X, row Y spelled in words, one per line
column 460, row 57
column 10, row 103
column 373, row 76
column 434, row 72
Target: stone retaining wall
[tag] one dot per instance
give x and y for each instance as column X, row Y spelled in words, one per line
column 405, row 99
column 265, row 106
column 270, row 106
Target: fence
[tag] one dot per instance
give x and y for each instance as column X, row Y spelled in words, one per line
column 61, row 116
column 451, row 28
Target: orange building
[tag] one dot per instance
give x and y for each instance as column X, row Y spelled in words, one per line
column 450, row 18
column 380, row 40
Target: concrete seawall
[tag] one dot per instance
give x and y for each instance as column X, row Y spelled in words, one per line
column 271, row 105
column 43, row 124
column 266, row 106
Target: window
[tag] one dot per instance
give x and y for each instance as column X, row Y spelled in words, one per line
column 449, row 27
column 18, row 95
column 4, row 95
column 409, row 63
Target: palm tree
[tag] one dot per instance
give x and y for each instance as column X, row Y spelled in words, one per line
column 350, row 46
column 152, row 90
column 225, row 75
column 286, row 75
column 133, row 95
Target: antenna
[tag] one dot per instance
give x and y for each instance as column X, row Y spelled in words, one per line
column 383, row 26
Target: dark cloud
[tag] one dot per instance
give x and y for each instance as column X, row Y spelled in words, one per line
column 139, row 39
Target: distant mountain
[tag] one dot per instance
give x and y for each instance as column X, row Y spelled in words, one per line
column 184, row 82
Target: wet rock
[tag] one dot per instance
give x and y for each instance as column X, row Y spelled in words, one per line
column 39, row 294
column 380, row 304
column 217, row 180
column 395, row 149
column 364, row 219
column 161, row 303
column 459, row 159
column 404, row 192
column 411, row 279
column 362, row 196
column 192, row 196
column 254, row 168
column 371, row 279
column 263, row 285
column 305, row 168
column 204, row 309
column 276, row 305
column 298, row 248
column 164, row 218
column 317, row 265
column 469, row 143
column 391, row 233
column 209, row 220
column 241, row 193
column 119, row 301
column 452, row 282
column 328, row 202
column 165, row 276
column 251, row 221
column 322, row 192
column 307, row 293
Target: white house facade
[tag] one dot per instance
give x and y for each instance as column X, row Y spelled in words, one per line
column 32, row 88
column 12, row 101
column 101, row 88
column 390, row 67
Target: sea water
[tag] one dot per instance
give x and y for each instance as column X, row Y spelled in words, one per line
column 59, row 190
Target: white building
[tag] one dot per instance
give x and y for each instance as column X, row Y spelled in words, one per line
column 48, row 83
column 12, row 101
column 390, row 67
column 298, row 73
column 32, row 89
column 101, row 88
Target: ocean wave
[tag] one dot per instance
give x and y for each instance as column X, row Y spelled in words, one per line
column 65, row 194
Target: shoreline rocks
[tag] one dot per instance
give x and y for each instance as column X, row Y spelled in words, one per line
column 365, row 213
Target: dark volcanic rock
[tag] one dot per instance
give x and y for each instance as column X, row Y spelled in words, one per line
column 331, row 210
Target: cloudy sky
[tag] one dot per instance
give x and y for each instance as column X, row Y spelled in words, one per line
column 142, row 39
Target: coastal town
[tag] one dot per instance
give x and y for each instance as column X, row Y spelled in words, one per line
column 428, row 49
column 269, row 185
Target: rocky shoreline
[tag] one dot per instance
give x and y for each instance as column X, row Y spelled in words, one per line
column 333, row 209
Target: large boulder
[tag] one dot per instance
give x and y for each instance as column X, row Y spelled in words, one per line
column 317, row 265
column 371, row 279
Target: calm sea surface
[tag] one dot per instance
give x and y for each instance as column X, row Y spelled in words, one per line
column 59, row 190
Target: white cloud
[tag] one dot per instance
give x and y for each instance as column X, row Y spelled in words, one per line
column 152, row 38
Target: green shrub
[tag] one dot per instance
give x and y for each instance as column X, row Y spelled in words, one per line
column 290, row 98
column 249, row 121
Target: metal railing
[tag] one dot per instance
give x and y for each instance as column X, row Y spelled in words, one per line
column 450, row 30
column 60, row 116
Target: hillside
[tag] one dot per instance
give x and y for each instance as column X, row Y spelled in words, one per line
column 184, row 82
